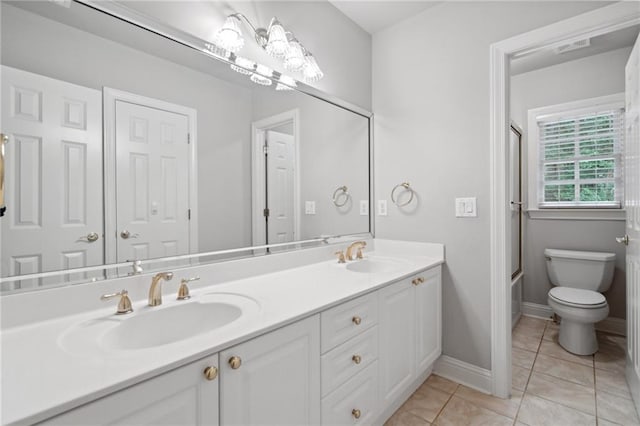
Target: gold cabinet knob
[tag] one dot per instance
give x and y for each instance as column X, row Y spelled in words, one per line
column 356, row 413
column 210, row 373
column 235, row 362
column 356, row 320
column 357, row 359
column 415, row 281
column 420, row 280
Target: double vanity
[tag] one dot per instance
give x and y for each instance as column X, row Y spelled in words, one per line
column 300, row 339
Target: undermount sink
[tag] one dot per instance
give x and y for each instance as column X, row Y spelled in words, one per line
column 150, row 327
column 375, row 265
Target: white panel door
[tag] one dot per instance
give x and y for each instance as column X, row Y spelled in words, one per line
column 278, row 379
column 632, row 206
column 397, row 340
column 152, row 182
column 53, row 187
column 280, row 172
column 183, row 396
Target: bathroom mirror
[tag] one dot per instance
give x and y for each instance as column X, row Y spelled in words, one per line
column 127, row 145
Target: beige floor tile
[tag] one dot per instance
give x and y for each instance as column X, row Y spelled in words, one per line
column 529, row 331
column 536, row 411
column 551, row 332
column 616, row 409
column 519, row 377
column 404, row 418
column 610, row 357
column 522, row 358
column 525, row 341
column 441, row 383
column 563, row 392
column 461, row 412
column 426, row 403
column 603, row 422
column 612, row 382
column 532, row 322
column 506, row 407
column 571, row 371
column 553, row 348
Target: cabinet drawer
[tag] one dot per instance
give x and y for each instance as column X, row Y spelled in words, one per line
column 346, row 360
column 341, row 323
column 357, row 397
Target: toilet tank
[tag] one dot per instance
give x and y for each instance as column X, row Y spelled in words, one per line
column 587, row 270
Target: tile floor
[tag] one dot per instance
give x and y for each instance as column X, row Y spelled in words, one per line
column 550, row 387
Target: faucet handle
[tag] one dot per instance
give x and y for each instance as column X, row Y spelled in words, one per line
column 340, row 254
column 183, row 291
column 124, row 305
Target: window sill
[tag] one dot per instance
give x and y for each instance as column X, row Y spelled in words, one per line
column 577, row 214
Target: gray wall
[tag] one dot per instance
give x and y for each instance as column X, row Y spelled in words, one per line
column 594, row 76
column 431, row 100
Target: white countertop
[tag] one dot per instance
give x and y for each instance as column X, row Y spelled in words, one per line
column 42, row 378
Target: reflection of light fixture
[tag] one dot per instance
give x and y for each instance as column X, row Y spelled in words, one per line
column 243, row 65
column 262, row 75
column 276, row 41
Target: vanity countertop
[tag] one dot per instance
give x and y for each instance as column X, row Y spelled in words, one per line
column 42, row 376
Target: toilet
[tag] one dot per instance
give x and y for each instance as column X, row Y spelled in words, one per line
column 580, row 278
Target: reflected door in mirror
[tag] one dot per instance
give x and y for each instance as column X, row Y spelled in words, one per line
column 54, row 217
column 280, row 163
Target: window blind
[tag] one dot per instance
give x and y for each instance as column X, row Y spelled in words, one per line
column 581, row 163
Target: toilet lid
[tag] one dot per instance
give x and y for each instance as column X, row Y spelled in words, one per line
column 577, row 296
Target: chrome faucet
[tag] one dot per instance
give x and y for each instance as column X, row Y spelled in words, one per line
column 155, row 291
column 359, row 245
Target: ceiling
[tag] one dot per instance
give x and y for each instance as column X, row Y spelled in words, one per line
column 373, row 16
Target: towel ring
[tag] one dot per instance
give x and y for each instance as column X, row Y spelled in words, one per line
column 407, row 187
column 343, row 192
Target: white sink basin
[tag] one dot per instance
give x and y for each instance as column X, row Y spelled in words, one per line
column 150, row 327
column 375, row 265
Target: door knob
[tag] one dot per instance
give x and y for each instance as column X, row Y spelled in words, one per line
column 623, row 240
column 126, row 234
column 235, row 362
column 90, row 237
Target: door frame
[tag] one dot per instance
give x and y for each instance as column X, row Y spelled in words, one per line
column 599, row 21
column 258, row 197
column 110, row 96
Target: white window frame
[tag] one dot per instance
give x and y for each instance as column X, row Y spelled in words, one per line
column 533, row 185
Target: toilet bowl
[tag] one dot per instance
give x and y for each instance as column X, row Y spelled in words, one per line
column 580, row 278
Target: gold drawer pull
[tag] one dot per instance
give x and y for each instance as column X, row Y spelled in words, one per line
column 356, row 413
column 211, row 373
column 356, row 320
column 357, row 359
column 235, row 362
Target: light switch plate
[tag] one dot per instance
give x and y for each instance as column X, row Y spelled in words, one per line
column 382, row 207
column 364, row 207
column 309, row 207
column 466, row 207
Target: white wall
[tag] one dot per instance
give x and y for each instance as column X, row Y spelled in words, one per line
column 431, row 100
column 590, row 77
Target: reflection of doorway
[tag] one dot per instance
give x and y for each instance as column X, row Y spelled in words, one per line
column 515, row 160
column 275, row 181
column 149, row 146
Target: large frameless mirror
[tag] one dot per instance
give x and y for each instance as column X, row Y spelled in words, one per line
column 126, row 145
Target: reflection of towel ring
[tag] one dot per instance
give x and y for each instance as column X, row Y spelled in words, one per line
column 407, row 187
column 344, row 194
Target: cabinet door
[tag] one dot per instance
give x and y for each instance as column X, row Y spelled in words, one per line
column 396, row 340
column 183, row 396
column 277, row 381
column 428, row 319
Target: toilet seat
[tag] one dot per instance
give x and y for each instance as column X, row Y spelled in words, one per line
column 576, row 297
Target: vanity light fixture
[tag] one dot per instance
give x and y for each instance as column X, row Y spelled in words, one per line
column 276, row 41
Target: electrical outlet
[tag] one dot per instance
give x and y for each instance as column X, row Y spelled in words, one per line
column 382, row 207
column 364, row 207
column 309, row 207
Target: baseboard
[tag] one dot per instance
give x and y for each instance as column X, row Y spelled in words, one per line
column 464, row 373
column 609, row 325
column 536, row 310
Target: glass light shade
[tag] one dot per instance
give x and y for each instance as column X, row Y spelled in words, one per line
column 288, row 81
column 264, row 70
column 258, row 79
column 294, row 60
column 277, row 43
column 229, row 36
column 311, row 72
column 282, row 87
column 243, row 66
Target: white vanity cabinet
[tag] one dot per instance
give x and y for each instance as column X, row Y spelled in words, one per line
column 273, row 379
column 185, row 396
column 410, row 333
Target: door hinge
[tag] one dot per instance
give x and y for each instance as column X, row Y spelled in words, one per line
column 189, row 214
column 266, row 212
column 265, row 149
column 188, row 138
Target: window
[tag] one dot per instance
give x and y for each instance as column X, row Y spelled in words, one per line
column 579, row 154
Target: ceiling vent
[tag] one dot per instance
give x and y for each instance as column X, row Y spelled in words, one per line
column 580, row 44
